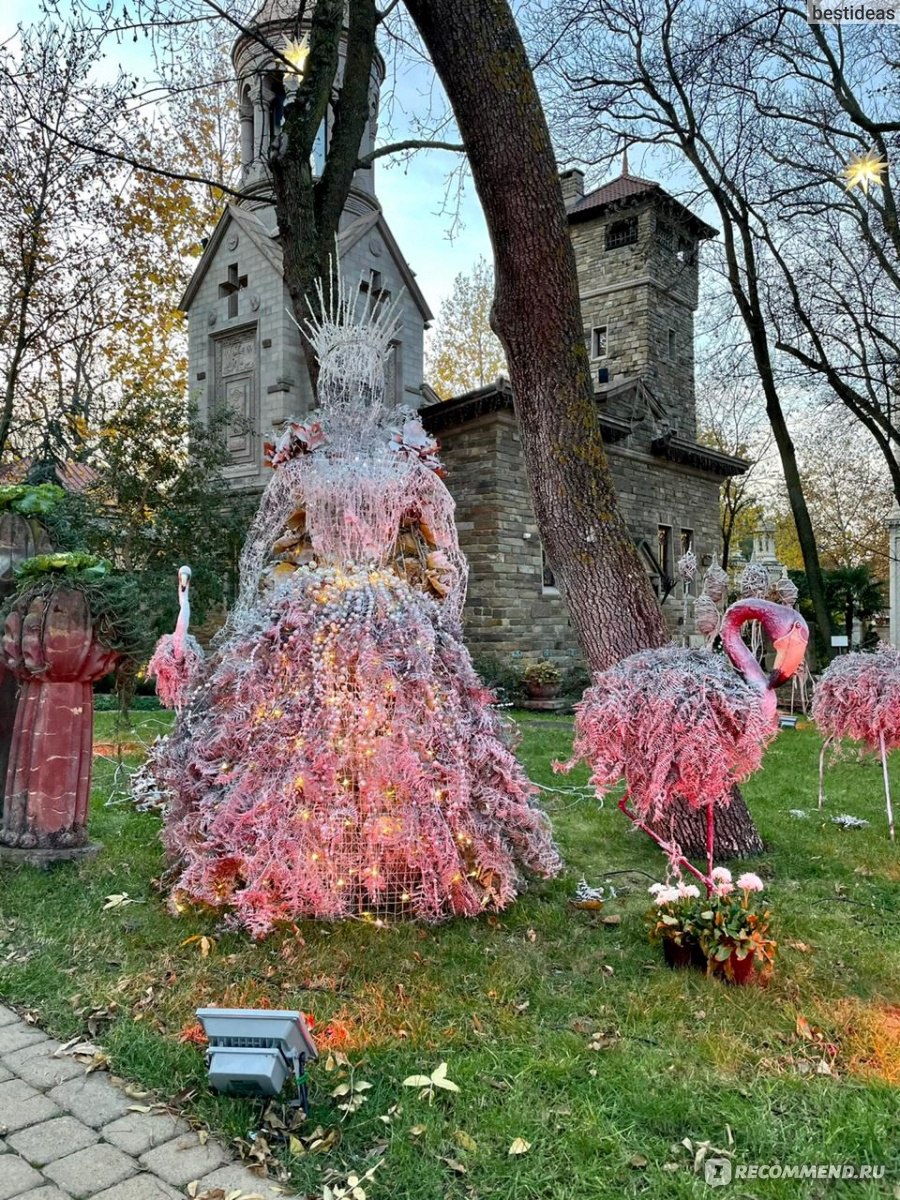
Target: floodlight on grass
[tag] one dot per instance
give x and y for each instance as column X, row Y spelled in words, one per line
column 252, row 1051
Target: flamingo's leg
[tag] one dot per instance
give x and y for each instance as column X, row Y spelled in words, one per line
column 667, row 847
column 710, row 845
column 887, row 786
column 825, row 746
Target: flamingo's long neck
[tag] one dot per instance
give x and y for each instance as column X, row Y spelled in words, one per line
column 184, row 615
column 742, row 658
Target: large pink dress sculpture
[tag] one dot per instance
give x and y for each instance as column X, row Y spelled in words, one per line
column 858, row 697
column 683, row 724
column 341, row 757
column 51, row 646
column 178, row 658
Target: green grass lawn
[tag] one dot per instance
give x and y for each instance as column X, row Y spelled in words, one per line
column 559, row 1029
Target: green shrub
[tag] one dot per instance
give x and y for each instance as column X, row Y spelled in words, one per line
column 500, row 675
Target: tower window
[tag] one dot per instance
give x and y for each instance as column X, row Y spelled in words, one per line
column 687, row 251
column 665, row 235
column 687, row 540
column 548, row 579
column 247, row 147
column 599, row 341
column 622, row 233
column 672, row 345
column 665, row 554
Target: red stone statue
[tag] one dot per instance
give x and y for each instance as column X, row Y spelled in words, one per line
column 20, row 538
column 51, row 646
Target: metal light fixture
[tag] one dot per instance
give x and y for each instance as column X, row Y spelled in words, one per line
column 253, row 1051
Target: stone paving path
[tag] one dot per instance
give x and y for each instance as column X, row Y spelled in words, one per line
column 67, row 1135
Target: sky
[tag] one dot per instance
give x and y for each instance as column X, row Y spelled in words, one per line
column 438, row 244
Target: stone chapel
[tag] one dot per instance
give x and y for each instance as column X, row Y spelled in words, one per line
column 637, row 253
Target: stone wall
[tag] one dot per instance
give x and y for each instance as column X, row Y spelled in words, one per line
column 509, row 612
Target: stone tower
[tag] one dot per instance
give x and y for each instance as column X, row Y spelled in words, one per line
column 636, row 251
column 244, row 351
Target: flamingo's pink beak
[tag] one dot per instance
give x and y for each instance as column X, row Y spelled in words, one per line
column 789, row 652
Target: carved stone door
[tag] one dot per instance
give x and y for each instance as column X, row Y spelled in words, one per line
column 237, row 391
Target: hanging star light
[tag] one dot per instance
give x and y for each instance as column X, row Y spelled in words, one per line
column 864, row 169
column 296, row 53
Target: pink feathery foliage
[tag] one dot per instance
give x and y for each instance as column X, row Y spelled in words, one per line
column 342, row 757
column 176, row 671
column 858, row 697
column 674, row 724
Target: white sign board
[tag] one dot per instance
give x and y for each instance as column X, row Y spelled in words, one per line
column 840, row 639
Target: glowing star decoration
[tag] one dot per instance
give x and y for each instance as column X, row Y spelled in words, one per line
column 864, row 169
column 296, row 53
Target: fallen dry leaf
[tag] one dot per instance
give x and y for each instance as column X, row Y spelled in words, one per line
column 519, row 1146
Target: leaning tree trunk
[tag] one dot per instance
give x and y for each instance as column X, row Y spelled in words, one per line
column 477, row 52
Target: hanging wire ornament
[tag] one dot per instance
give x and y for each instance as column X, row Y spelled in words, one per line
column 341, row 757
column 754, row 581
column 707, row 616
column 686, row 567
column 715, row 581
column 787, row 591
column 685, row 570
column 755, row 585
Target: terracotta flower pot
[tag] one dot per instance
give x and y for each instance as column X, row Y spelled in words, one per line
column 741, row 971
column 542, row 691
column 688, row 954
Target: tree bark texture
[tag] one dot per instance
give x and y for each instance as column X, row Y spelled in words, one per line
column 477, row 51
column 735, row 834
column 309, row 210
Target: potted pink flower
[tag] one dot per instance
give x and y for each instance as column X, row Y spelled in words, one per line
column 674, row 921
column 733, row 929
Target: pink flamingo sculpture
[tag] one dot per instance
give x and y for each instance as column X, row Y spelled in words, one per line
column 178, row 657
column 681, row 724
column 858, row 697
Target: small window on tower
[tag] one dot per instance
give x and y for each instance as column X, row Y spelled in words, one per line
column 622, row 233
column 687, row 251
column 665, row 554
column 599, row 341
column 687, row 540
column 548, row 579
column 673, row 346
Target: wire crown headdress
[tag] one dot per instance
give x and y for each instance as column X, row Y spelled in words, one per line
column 346, row 318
